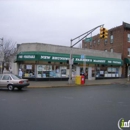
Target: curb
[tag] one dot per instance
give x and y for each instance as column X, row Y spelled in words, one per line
column 75, row 85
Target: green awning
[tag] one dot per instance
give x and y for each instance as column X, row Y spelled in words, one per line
column 42, row 56
column 60, row 57
column 127, row 60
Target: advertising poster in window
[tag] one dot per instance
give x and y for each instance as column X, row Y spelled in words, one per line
column 113, row 69
column 47, row 67
column 44, row 67
column 101, row 72
column 109, row 69
column 29, row 67
column 63, row 71
column 39, row 67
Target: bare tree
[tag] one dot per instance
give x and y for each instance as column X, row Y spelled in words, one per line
column 9, row 49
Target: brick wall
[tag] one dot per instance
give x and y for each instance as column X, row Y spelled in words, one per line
column 120, row 43
column 117, row 44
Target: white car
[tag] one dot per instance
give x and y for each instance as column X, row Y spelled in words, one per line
column 12, row 81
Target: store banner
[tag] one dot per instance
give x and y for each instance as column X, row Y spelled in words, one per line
column 64, row 58
column 25, row 57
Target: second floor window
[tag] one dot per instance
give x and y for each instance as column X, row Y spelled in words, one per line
column 111, row 50
column 98, row 41
column 111, row 39
column 128, row 35
column 128, row 51
column 105, row 41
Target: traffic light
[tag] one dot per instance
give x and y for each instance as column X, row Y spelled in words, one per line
column 103, row 33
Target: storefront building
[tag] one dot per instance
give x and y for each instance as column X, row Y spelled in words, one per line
column 41, row 65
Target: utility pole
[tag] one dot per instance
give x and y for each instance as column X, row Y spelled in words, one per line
column 1, row 53
column 70, row 63
column 84, row 35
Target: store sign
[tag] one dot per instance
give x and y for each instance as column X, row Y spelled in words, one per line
column 59, row 58
column 26, row 56
column 54, row 58
column 99, row 61
column 114, row 62
column 80, row 59
column 93, row 60
column 109, row 61
column 46, row 57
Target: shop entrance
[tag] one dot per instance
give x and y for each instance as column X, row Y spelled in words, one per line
column 84, row 73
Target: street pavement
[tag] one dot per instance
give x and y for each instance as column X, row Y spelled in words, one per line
column 46, row 84
column 66, row 108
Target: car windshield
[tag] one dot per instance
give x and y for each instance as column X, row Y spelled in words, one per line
column 14, row 76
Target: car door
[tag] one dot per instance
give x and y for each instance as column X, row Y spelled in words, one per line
column 5, row 80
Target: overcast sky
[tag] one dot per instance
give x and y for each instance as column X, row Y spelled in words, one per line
column 58, row 21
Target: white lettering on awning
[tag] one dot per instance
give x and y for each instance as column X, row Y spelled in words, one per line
column 45, row 57
column 100, row 61
column 59, row 58
column 20, row 56
column 116, row 62
column 87, row 60
column 29, row 56
column 109, row 61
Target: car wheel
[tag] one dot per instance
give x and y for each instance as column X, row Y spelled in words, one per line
column 10, row 87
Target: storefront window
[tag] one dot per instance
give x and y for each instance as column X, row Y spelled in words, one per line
column 43, row 71
column 28, row 71
column 51, row 71
column 107, row 72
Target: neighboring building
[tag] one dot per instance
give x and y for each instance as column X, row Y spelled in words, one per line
column 50, row 62
column 118, row 41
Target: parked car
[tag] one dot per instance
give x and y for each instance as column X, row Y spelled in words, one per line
column 12, row 81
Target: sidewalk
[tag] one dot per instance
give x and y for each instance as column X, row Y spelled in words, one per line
column 47, row 84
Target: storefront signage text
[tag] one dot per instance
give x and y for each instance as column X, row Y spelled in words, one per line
column 56, row 58
column 45, row 57
column 99, row 61
column 59, row 58
column 27, row 56
column 87, row 60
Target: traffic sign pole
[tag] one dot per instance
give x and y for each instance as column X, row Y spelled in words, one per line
column 71, row 46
